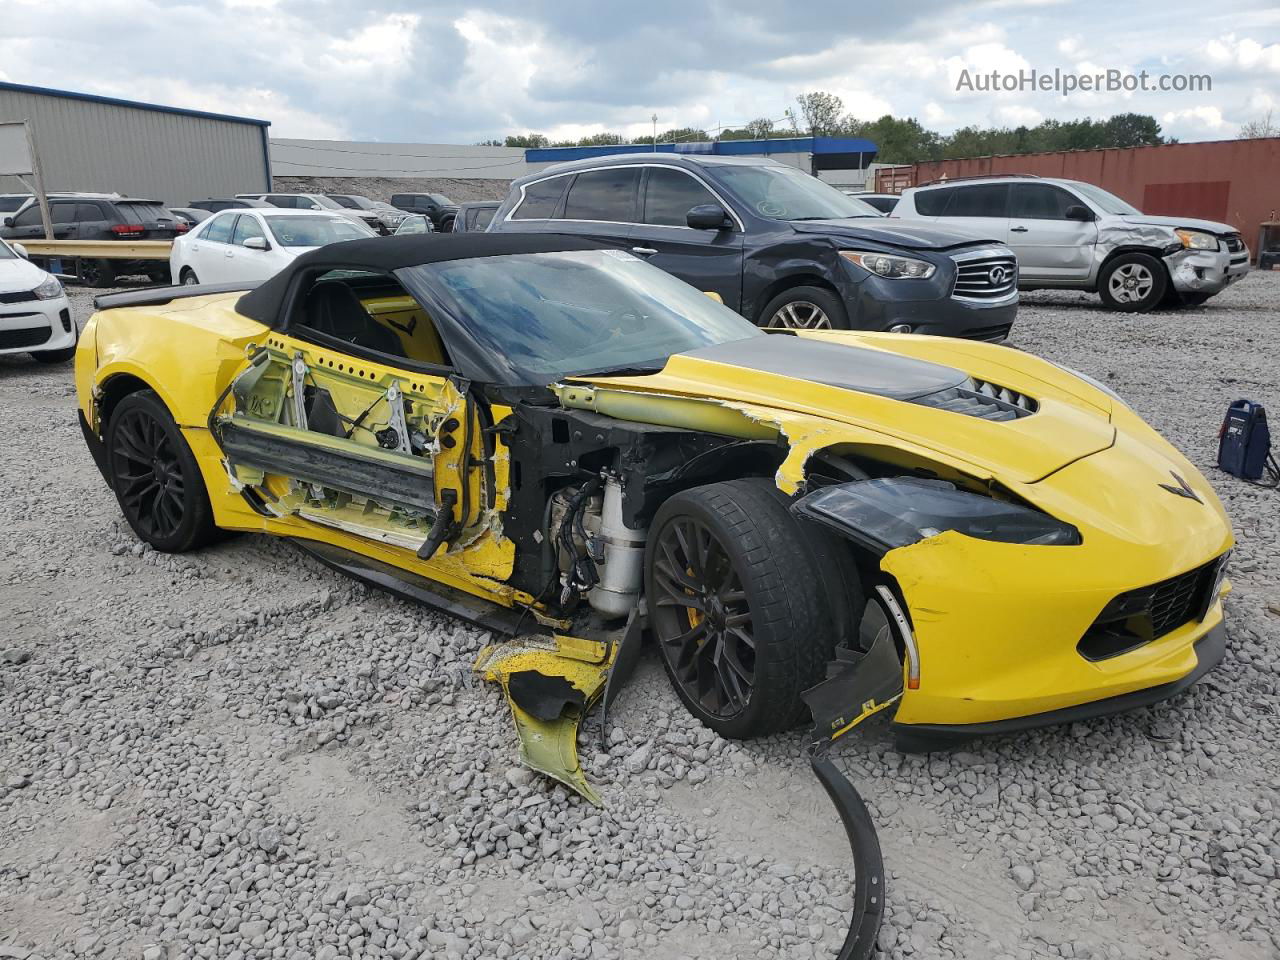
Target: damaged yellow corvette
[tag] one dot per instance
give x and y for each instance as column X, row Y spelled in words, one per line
column 531, row 430
column 570, row 447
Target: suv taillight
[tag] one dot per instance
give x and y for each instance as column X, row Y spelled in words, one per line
column 127, row 229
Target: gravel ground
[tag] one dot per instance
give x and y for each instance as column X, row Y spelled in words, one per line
column 237, row 753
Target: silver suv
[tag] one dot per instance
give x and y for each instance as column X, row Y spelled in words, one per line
column 1071, row 235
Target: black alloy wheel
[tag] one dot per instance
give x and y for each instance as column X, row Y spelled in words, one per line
column 155, row 476
column 713, row 657
column 741, row 604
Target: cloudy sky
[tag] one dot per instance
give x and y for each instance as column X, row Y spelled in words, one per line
column 399, row 70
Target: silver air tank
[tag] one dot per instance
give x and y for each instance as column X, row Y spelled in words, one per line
column 622, row 571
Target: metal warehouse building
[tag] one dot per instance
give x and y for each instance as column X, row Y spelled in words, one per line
column 102, row 144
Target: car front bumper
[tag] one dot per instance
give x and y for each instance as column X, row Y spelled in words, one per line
column 36, row 325
column 1206, row 271
column 926, row 306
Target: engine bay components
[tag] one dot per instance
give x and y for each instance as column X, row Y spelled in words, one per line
column 597, row 554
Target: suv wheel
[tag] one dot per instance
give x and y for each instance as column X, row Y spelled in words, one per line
column 804, row 308
column 96, row 273
column 1133, row 283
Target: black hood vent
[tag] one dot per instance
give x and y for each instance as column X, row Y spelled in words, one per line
column 981, row 399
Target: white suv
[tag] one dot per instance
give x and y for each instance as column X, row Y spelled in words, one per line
column 1071, row 235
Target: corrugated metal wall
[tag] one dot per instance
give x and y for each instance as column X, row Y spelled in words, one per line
column 170, row 157
column 1231, row 181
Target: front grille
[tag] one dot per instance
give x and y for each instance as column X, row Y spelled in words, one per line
column 981, row 399
column 990, row 277
column 18, row 296
column 1233, row 243
column 1140, row 616
column 30, row 337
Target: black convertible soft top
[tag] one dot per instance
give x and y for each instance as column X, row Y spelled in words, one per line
column 392, row 253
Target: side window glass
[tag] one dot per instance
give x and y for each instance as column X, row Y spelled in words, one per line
column 979, row 200
column 372, row 312
column 931, row 203
column 1039, row 201
column 670, row 194
column 89, row 213
column 29, row 217
column 608, row 195
column 219, row 229
column 246, row 227
column 541, row 199
column 62, row 213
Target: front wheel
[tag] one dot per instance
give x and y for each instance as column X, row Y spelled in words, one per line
column 155, row 476
column 1133, row 283
column 189, row 278
column 737, row 606
column 805, row 308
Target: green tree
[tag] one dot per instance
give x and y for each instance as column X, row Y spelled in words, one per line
column 676, row 135
column 490, row 143
column 526, row 140
column 820, row 114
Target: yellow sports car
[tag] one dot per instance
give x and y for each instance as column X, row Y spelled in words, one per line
column 540, row 434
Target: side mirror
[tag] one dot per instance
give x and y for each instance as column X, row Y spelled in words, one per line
column 257, row 243
column 707, row 216
column 20, row 250
column 1077, row 212
column 8, row 221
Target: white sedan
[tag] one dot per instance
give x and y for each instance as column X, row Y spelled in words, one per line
column 35, row 315
column 251, row 244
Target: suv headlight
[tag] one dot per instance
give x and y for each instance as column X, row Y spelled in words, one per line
column 1197, row 239
column 889, row 265
column 892, row 512
column 50, row 289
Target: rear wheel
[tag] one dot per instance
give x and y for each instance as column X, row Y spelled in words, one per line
column 805, row 308
column 96, row 273
column 737, row 605
column 155, row 476
column 1133, row 283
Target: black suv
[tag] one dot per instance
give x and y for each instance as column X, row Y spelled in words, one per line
column 438, row 208
column 779, row 246
column 87, row 217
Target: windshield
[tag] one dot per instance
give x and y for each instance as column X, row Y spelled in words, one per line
column 550, row 315
column 10, row 204
column 1106, row 202
column 324, row 201
column 6, row 253
column 441, row 199
column 785, row 193
column 315, row 231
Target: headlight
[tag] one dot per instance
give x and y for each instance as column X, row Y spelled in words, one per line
column 50, row 289
column 1197, row 239
column 896, row 511
column 888, row 265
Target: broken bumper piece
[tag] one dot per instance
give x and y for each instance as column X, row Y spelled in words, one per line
column 550, row 683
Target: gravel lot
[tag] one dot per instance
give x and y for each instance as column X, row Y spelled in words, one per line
column 237, row 753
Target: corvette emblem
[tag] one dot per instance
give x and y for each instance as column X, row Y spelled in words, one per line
column 1183, row 489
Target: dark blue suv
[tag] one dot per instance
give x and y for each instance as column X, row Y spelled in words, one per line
column 779, row 246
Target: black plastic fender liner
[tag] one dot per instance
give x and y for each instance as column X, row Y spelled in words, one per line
column 868, row 864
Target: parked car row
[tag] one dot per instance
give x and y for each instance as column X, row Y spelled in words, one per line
column 35, row 315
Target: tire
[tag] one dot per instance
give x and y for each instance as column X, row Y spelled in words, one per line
column 96, row 273
column 446, row 225
column 155, row 476
column 805, row 308
column 160, row 275
column 1133, row 283
column 759, row 629
column 188, row 277
column 53, row 356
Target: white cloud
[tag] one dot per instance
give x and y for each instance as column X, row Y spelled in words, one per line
column 1244, row 53
column 1206, row 119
